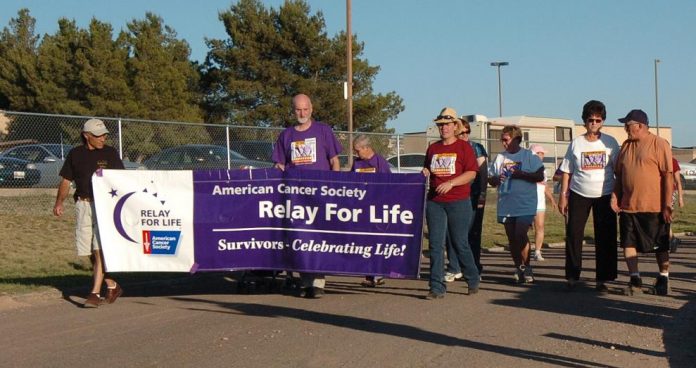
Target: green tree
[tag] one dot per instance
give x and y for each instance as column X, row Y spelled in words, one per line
column 59, row 90
column 18, row 48
column 270, row 55
column 103, row 73
column 165, row 85
column 163, row 80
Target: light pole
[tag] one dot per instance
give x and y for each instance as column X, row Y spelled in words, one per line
column 657, row 113
column 498, row 64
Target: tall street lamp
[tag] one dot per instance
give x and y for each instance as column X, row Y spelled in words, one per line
column 498, row 64
column 657, row 114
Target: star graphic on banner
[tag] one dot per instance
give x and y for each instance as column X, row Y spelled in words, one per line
column 113, row 192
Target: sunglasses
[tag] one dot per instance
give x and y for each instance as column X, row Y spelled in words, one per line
column 595, row 121
column 443, row 117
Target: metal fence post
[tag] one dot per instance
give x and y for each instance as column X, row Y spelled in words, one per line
column 227, row 144
column 120, row 139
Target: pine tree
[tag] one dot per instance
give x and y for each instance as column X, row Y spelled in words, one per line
column 18, row 47
column 271, row 55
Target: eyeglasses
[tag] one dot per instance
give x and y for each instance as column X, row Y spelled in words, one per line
column 595, row 121
column 445, row 117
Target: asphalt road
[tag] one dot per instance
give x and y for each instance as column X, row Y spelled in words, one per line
column 204, row 322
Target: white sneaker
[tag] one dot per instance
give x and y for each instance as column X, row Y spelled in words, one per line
column 537, row 256
column 450, row 277
column 528, row 275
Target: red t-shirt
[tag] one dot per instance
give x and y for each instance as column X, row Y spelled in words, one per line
column 445, row 163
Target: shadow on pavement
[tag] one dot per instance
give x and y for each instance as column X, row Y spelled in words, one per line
column 386, row 328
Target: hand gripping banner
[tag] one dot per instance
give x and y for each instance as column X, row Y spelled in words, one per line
column 309, row 221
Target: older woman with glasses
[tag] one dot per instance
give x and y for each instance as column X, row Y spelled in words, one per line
column 451, row 166
column 587, row 184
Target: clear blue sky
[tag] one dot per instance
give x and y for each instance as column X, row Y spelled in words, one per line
column 438, row 53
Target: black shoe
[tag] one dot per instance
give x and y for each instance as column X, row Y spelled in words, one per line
column 473, row 290
column 601, row 287
column 635, row 285
column 571, row 284
column 317, row 292
column 662, row 285
column 306, row 292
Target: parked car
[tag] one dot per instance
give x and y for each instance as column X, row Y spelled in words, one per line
column 18, row 173
column 688, row 173
column 200, row 156
column 408, row 162
column 255, row 150
column 48, row 159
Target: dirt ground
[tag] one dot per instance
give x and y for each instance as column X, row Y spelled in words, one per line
column 203, row 321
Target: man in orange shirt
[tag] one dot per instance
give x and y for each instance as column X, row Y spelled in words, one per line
column 643, row 197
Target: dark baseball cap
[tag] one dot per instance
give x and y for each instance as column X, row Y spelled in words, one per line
column 636, row 115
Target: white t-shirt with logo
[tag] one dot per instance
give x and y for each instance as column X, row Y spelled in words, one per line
column 591, row 165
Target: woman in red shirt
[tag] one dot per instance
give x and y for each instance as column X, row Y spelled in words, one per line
column 450, row 163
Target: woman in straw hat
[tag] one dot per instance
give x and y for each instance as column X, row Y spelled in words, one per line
column 451, row 166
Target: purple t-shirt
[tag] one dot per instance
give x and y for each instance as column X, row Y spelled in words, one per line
column 308, row 150
column 376, row 164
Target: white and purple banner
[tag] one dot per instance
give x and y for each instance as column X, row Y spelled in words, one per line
column 308, row 221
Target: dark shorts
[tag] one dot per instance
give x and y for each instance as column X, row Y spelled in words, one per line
column 523, row 220
column 646, row 231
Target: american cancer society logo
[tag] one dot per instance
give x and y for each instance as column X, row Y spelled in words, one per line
column 145, row 216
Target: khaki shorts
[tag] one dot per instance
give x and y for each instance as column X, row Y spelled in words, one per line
column 86, row 232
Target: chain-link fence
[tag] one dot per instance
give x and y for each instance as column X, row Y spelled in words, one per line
column 40, row 142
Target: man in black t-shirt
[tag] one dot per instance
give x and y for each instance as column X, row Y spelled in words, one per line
column 81, row 163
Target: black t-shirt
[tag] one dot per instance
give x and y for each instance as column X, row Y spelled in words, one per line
column 82, row 162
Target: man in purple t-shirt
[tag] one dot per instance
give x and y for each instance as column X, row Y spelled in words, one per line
column 308, row 145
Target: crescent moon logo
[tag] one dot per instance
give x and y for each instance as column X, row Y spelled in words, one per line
column 117, row 217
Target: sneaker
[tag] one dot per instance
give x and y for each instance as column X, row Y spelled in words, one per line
column 306, row 292
column 601, row 287
column 113, row 294
column 528, row 275
column 433, row 295
column 538, row 256
column 451, row 277
column 635, row 285
column 93, row 301
column 372, row 282
column 662, row 285
column 317, row 292
column 519, row 276
column 571, row 284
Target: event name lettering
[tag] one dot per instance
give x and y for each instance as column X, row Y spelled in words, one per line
column 298, row 245
column 158, row 218
column 283, row 188
column 387, row 215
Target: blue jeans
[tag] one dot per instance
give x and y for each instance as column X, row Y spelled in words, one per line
column 453, row 265
column 447, row 219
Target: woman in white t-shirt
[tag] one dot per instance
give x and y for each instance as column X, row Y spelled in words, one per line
column 587, row 184
column 543, row 193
